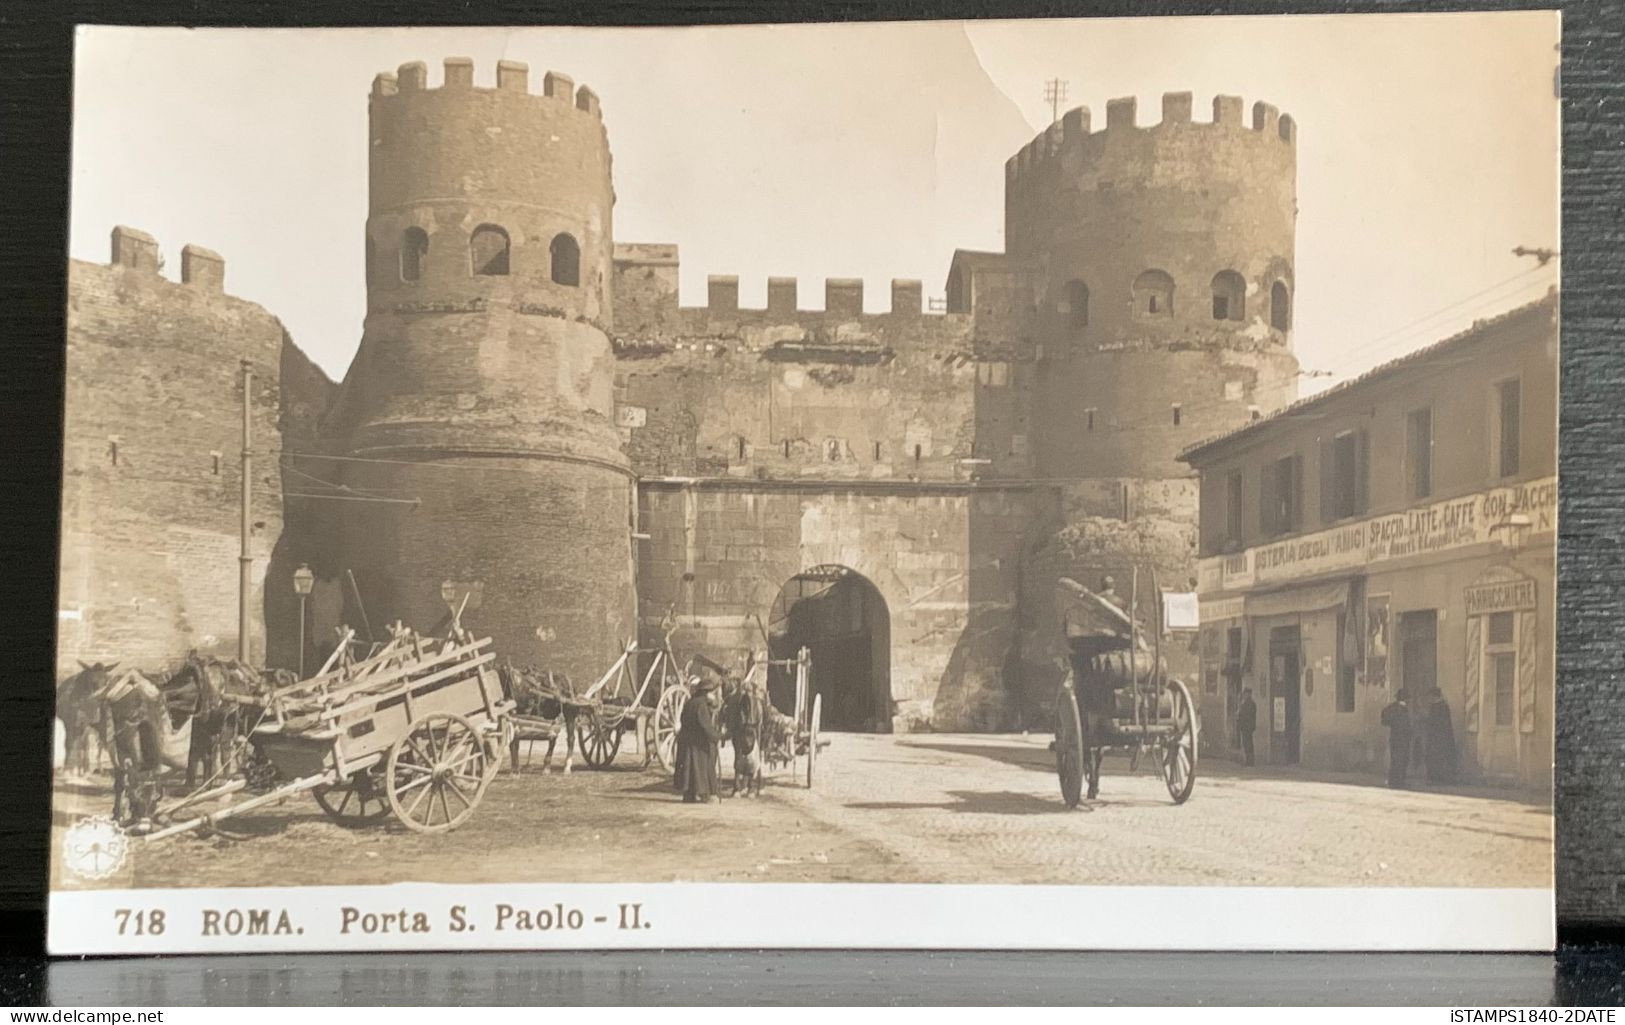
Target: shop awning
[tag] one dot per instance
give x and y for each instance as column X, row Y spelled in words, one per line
column 1299, row 599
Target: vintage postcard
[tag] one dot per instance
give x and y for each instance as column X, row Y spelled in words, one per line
column 1067, row 484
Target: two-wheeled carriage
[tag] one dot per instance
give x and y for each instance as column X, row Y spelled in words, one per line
column 414, row 731
column 788, row 739
column 1119, row 697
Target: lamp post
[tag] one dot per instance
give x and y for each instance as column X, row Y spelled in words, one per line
column 303, row 581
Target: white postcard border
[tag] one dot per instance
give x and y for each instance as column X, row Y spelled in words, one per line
column 801, row 916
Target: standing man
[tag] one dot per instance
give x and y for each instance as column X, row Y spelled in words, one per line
column 744, row 716
column 697, row 739
column 1397, row 717
column 1246, row 723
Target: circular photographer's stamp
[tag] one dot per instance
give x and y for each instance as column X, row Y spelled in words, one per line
column 95, row 848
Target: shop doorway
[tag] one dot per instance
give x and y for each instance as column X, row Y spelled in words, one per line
column 842, row 619
column 1285, row 711
column 1419, row 655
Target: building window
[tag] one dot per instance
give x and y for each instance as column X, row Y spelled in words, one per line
column 565, row 257
column 1345, row 667
column 1508, row 423
column 1177, row 411
column 1089, row 419
column 1280, row 307
column 414, row 246
column 1419, row 453
column 1075, row 305
column 1501, row 656
column 1229, row 296
column 918, row 451
column 1343, row 474
column 1233, row 505
column 1126, row 502
column 1154, row 294
column 1280, row 503
column 488, row 250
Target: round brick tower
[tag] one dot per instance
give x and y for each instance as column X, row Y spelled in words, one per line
column 483, row 387
column 1163, row 262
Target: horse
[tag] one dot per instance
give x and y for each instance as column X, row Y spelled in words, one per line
column 541, row 694
column 200, row 692
column 138, row 734
column 80, row 710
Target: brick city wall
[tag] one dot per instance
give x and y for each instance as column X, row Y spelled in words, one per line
column 151, row 454
column 945, row 558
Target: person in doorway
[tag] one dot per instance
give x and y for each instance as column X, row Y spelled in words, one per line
column 1397, row 717
column 744, row 718
column 1441, row 740
column 697, row 739
column 1246, row 724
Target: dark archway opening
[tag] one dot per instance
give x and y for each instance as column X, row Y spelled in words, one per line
column 842, row 619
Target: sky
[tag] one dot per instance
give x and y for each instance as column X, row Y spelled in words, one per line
column 1427, row 150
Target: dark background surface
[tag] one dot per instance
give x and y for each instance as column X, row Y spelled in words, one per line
column 36, row 39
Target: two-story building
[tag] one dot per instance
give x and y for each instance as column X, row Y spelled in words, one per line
column 1396, row 532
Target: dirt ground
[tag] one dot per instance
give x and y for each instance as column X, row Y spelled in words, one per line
column 914, row 808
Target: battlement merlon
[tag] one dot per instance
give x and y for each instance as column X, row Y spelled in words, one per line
column 1122, row 116
column 511, row 77
column 135, row 250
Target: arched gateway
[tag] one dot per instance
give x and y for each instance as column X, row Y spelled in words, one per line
column 842, row 619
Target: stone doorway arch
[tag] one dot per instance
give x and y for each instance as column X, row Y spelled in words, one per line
column 842, row 618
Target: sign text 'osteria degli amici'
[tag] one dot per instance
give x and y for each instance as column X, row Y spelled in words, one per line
column 1437, row 527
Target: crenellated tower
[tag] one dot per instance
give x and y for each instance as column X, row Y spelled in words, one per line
column 483, row 388
column 1160, row 260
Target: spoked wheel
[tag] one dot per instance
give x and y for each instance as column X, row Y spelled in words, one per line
column 814, row 724
column 1069, row 749
column 668, row 717
column 600, row 739
column 1179, row 748
column 359, row 801
column 437, row 773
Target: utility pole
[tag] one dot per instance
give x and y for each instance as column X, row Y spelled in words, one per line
column 245, row 561
column 1055, row 95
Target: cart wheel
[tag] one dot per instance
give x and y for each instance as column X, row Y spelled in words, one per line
column 668, row 717
column 1070, row 754
column 437, row 773
column 812, row 736
column 600, row 740
column 1179, row 749
column 358, row 801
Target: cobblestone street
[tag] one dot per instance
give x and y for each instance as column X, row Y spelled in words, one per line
column 910, row 808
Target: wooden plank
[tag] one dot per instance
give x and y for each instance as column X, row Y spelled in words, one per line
column 279, row 794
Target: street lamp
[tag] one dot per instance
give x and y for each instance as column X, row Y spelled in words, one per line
column 303, row 582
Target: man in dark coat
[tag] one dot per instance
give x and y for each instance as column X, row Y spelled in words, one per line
column 1397, row 717
column 697, row 738
column 1246, row 723
column 1441, row 740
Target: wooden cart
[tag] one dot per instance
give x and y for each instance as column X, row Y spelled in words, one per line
column 791, row 739
column 1119, row 697
column 414, row 731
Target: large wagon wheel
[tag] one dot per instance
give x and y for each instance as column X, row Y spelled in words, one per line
column 1179, row 748
column 437, row 773
column 600, row 738
column 813, row 726
column 361, row 800
column 1070, row 754
column 668, row 718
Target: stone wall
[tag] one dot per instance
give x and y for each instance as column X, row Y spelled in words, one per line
column 946, row 559
column 152, row 458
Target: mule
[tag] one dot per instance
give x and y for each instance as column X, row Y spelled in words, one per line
column 539, row 694
column 200, row 693
column 138, row 735
column 80, row 712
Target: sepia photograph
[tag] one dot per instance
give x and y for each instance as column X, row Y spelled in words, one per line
column 1073, row 483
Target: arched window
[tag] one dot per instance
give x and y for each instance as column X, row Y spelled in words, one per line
column 1075, row 305
column 566, row 259
column 1154, row 294
column 1229, row 295
column 414, row 246
column 488, row 250
column 956, row 292
column 1280, row 307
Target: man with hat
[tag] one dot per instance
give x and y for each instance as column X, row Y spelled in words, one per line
column 697, row 741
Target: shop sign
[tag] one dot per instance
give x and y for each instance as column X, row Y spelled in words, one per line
column 1500, row 596
column 1436, row 527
